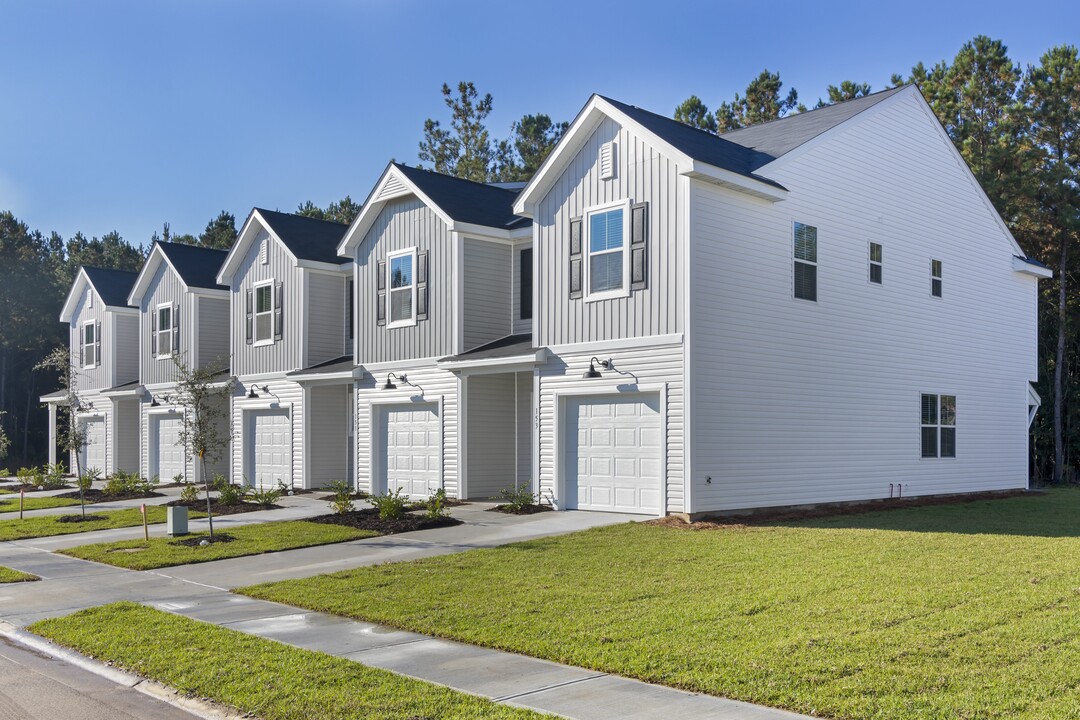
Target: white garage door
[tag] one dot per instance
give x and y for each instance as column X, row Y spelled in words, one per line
column 411, row 457
column 93, row 453
column 270, row 444
column 613, row 453
column 165, row 430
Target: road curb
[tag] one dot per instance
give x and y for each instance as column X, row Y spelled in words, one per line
column 196, row 706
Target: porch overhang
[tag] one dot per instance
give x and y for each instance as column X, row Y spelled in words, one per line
column 57, row 397
column 131, row 389
column 339, row 370
column 513, row 353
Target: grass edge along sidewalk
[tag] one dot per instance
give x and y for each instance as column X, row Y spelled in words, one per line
column 253, row 539
column 7, row 575
column 963, row 610
column 256, row 675
column 50, row 525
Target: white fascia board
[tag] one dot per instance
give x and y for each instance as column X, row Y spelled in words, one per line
column 210, row 292
column 734, row 181
column 133, row 391
column 146, row 274
column 121, row 310
column 1021, row 265
column 333, row 268
column 501, row 364
column 67, row 312
column 1033, row 397
column 328, row 378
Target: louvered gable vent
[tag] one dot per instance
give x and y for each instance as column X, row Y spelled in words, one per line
column 607, row 160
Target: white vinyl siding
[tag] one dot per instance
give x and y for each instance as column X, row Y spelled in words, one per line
column 213, row 340
column 495, row 462
column 165, row 290
column 487, row 305
column 283, row 394
column 797, row 403
column 325, row 336
column 287, row 355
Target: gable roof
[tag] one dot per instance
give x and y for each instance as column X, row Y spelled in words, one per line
column 305, row 239
column 775, row 138
column 461, row 204
column 112, row 286
column 196, row 267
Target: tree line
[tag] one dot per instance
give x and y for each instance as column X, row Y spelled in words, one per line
column 1017, row 127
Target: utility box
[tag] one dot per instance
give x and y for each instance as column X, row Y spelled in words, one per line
column 176, row 518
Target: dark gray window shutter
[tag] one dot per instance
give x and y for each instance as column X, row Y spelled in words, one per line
column 422, row 285
column 98, row 345
column 575, row 258
column 81, row 331
column 279, row 301
column 250, row 315
column 639, row 232
column 153, row 333
column 525, row 284
column 380, row 293
column 176, row 328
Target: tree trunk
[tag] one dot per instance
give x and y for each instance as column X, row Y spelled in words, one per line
column 1059, row 367
column 206, row 481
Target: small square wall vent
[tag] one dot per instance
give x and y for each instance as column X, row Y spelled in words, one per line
column 607, row 161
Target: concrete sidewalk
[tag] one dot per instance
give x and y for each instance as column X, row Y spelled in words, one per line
column 200, row 591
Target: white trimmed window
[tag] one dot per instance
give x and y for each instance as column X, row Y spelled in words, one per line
column 804, row 250
column 91, row 344
column 875, row 263
column 264, row 314
column 607, row 259
column 165, row 342
column 401, row 285
column 938, row 426
column 935, row 278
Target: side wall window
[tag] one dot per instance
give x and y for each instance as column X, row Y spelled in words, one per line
column 938, row 426
column 875, row 263
column 935, row 278
column 805, row 257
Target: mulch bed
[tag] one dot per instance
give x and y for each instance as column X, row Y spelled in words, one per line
column 769, row 517
column 368, row 519
column 448, row 502
column 93, row 495
column 79, row 518
column 520, row 510
column 198, row 540
column 219, row 509
column 31, row 489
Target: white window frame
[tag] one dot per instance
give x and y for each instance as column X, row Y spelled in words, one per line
column 795, row 260
column 390, row 257
column 880, row 264
column 255, row 341
column 96, row 344
column 172, row 324
column 937, row 426
column 624, row 291
column 937, row 278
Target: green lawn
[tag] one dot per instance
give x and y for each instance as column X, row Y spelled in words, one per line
column 7, row 575
column 262, row 677
column 50, row 524
column 253, row 539
column 35, row 503
column 955, row 611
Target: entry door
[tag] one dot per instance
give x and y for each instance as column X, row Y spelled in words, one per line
column 612, row 453
column 411, row 453
column 170, row 453
column 271, row 448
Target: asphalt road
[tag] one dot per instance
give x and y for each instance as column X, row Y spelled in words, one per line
column 33, row 687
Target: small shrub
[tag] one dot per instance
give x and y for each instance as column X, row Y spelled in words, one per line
column 4, row 472
column 436, row 505
column 517, row 499
column 54, row 476
column 265, row 498
column 342, row 499
column 190, row 493
column 391, row 506
column 284, row 489
column 85, row 482
column 37, row 478
column 229, row 493
column 125, row 483
column 25, row 475
column 178, row 478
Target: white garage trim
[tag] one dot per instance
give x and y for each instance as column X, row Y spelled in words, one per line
column 248, row 444
column 600, row 390
column 375, row 434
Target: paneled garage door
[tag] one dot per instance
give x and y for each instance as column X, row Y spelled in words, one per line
column 411, row 455
column 165, row 432
column 613, row 454
column 93, row 454
column 270, row 448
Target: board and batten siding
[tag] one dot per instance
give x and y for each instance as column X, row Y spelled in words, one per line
column 488, row 286
column 800, row 402
column 213, row 340
column 646, row 367
column 325, row 333
column 97, row 377
column 125, row 348
column 518, row 326
column 283, row 355
column 429, row 385
column 165, row 288
column 283, row 395
column 403, row 223
column 642, row 174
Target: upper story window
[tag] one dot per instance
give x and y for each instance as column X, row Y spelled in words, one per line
column 875, row 263
column 164, row 331
column 805, row 256
column 401, row 281
column 91, row 344
column 935, row 278
column 606, row 249
column 938, row 426
column 525, row 284
column 264, row 313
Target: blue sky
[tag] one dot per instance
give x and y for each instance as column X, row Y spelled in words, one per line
column 124, row 115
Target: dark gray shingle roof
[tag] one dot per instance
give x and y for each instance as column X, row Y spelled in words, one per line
column 342, row 363
column 112, row 286
column 197, row 266
column 507, row 346
column 307, row 238
column 467, row 201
